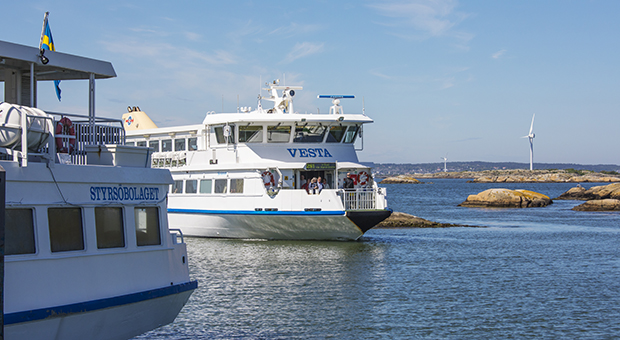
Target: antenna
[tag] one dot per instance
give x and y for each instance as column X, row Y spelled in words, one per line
column 531, row 136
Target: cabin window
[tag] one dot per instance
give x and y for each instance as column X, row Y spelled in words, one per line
column 205, row 186
column 351, row 134
column 309, row 133
column 154, row 144
column 166, row 145
column 250, row 134
column 220, row 134
column 191, row 186
column 18, row 232
column 179, row 144
column 336, row 133
column 192, row 144
column 177, row 187
column 130, row 143
column 109, row 225
column 220, row 186
column 236, row 186
column 65, row 226
column 141, row 143
column 278, row 134
column 147, row 226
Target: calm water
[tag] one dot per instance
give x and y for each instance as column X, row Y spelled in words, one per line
column 534, row 273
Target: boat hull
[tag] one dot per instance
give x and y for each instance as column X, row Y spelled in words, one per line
column 276, row 225
column 121, row 317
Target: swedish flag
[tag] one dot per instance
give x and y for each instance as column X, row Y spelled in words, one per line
column 47, row 43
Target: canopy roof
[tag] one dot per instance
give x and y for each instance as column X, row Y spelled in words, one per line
column 61, row 66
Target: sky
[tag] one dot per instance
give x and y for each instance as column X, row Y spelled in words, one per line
column 438, row 77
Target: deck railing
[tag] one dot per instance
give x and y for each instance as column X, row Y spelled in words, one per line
column 359, row 199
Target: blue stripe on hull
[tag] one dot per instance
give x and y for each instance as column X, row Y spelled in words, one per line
column 250, row 212
column 89, row 306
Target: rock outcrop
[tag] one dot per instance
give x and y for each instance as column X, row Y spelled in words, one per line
column 400, row 179
column 608, row 204
column 506, row 198
column 595, row 193
column 598, row 198
column 402, row 220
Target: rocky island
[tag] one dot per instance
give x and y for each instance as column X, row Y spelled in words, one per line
column 513, row 176
column 506, row 198
column 402, row 220
column 598, row 198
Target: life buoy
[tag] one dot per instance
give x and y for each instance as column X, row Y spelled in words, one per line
column 362, row 178
column 268, row 179
column 65, row 127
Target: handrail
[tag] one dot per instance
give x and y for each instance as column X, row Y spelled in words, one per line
column 178, row 231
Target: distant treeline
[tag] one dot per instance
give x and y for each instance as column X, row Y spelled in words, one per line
column 389, row 169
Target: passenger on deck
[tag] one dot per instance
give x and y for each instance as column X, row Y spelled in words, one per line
column 313, row 187
column 304, row 183
column 348, row 182
column 319, row 183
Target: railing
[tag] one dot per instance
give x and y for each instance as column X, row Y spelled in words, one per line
column 104, row 131
column 175, row 233
column 358, row 199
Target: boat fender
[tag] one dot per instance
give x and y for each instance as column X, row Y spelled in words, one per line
column 362, row 178
column 65, row 127
column 268, row 179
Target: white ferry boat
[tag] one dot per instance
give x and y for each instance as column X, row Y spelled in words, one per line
column 88, row 250
column 243, row 175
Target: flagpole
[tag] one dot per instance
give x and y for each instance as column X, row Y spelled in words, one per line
column 43, row 29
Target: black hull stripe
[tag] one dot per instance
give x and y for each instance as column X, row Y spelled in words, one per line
column 89, row 306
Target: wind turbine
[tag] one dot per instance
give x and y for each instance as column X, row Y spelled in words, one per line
column 531, row 137
column 445, row 159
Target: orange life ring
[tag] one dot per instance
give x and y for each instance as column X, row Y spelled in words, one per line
column 268, row 179
column 65, row 127
column 362, row 178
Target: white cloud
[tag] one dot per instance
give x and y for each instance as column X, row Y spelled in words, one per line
column 498, row 54
column 428, row 18
column 303, row 50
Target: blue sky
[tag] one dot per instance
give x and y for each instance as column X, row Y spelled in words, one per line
column 461, row 78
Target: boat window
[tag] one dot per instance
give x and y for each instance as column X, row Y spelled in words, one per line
column 219, row 134
column 147, row 226
column 109, row 225
column 336, row 133
column 205, row 186
column 141, row 143
column 278, row 134
column 179, row 144
column 18, row 232
column 191, row 186
column 192, row 144
column 177, row 187
column 236, row 186
column 166, row 145
column 220, row 186
column 309, row 133
column 130, row 143
column 351, row 134
column 154, row 144
column 250, row 134
column 65, row 226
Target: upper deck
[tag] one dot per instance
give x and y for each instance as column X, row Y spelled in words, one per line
column 256, row 137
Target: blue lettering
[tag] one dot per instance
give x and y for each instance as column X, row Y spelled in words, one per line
column 303, row 153
column 292, row 152
column 320, row 151
column 311, row 153
column 327, row 154
column 92, row 194
column 156, row 193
